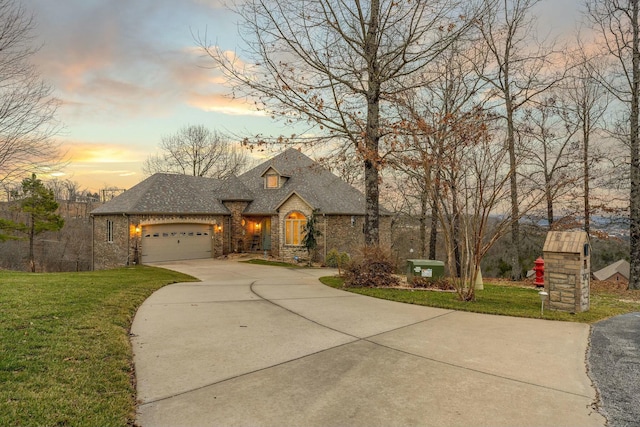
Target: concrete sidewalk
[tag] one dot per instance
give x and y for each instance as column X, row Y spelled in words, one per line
column 253, row 345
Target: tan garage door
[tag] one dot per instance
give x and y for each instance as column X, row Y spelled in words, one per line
column 171, row 242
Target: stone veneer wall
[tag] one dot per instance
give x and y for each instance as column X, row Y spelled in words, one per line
column 237, row 232
column 341, row 235
column 275, row 236
column 294, row 204
column 385, row 232
column 110, row 254
column 345, row 237
column 566, row 280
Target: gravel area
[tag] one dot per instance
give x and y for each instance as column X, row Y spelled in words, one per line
column 614, row 367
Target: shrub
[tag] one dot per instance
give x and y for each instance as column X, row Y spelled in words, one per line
column 337, row 259
column 373, row 267
column 442, row 284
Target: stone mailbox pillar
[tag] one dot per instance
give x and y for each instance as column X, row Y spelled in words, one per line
column 567, row 264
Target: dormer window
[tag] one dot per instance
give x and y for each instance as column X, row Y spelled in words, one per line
column 272, row 181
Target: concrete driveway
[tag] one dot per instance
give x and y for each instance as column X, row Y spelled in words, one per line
column 253, row 345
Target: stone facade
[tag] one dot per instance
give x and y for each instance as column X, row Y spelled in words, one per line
column 346, row 233
column 234, row 233
column 567, row 268
column 275, row 237
column 113, row 252
column 293, row 204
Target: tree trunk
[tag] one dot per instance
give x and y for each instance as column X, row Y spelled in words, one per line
column 372, row 137
column 433, row 234
column 585, row 166
column 456, row 232
column 634, row 199
column 32, row 233
column 423, row 224
column 547, row 191
column 516, row 269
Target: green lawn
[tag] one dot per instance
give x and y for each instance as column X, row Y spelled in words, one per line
column 500, row 299
column 65, row 356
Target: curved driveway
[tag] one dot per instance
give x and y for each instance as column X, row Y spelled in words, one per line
column 253, row 345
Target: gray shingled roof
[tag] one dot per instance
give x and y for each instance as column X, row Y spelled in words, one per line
column 232, row 189
column 181, row 194
column 315, row 184
column 621, row 267
column 167, row 194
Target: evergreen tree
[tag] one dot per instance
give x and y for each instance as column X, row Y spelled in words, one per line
column 7, row 226
column 40, row 206
column 311, row 234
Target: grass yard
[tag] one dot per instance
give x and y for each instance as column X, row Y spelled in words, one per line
column 65, row 356
column 507, row 299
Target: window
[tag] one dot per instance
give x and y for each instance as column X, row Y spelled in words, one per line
column 294, row 228
column 109, row 231
column 272, row 181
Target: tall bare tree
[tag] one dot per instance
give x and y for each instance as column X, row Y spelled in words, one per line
column 587, row 101
column 335, row 64
column 198, row 151
column 518, row 69
column 547, row 132
column 27, row 109
column 618, row 24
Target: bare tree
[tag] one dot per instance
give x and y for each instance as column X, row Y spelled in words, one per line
column 335, row 64
column 587, row 101
column 484, row 190
column 473, row 185
column 517, row 71
column 547, row 132
column 618, row 24
column 197, row 151
column 27, row 109
column 343, row 161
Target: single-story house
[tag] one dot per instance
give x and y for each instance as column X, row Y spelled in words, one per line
column 617, row 272
column 170, row 217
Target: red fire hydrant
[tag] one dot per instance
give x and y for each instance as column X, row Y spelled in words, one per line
column 539, row 269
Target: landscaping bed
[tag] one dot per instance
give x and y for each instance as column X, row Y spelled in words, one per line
column 506, row 297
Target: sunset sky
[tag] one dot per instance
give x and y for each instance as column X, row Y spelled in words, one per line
column 128, row 72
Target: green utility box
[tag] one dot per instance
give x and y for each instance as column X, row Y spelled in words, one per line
column 428, row 269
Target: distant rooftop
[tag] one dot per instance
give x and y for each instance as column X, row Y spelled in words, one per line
column 619, row 267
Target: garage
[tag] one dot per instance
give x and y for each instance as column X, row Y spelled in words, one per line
column 171, row 242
